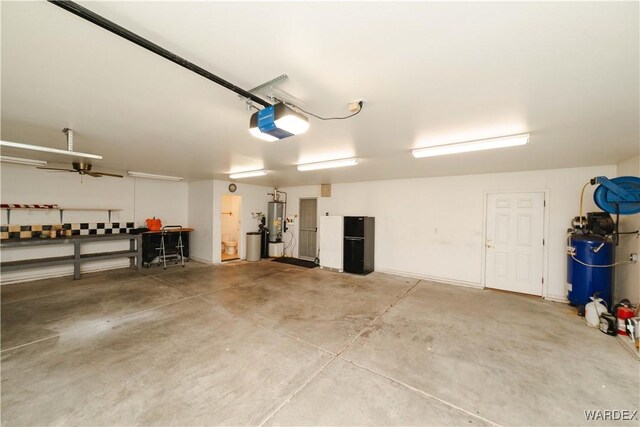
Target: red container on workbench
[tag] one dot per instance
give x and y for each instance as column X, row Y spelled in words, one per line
column 153, row 224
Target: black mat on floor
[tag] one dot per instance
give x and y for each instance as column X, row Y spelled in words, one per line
column 296, row 261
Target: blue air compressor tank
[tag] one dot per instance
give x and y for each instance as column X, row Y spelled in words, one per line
column 586, row 273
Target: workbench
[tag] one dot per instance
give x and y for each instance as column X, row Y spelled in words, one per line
column 134, row 253
column 151, row 241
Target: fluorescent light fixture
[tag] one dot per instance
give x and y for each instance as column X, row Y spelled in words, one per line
column 248, row 174
column 20, row 161
column 277, row 122
column 464, row 147
column 49, row 150
column 153, row 176
column 328, row 165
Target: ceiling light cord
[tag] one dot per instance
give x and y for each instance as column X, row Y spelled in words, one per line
column 288, row 104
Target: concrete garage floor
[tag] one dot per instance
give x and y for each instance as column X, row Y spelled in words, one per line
column 268, row 343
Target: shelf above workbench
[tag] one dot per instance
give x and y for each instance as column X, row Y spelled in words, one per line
column 61, row 211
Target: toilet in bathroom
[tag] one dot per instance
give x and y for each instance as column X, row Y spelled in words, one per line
column 230, row 247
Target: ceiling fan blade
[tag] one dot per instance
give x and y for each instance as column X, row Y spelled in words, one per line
column 56, row 169
column 106, row 174
column 83, row 171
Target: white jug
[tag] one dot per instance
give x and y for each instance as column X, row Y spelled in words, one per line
column 593, row 310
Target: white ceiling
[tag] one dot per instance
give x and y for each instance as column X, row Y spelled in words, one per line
column 567, row 73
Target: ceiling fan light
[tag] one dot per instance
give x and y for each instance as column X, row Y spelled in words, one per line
column 465, row 147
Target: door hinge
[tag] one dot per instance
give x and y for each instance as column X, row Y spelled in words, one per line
column 543, row 280
column 543, row 242
column 544, row 203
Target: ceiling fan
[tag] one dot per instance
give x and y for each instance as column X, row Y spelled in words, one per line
column 83, row 169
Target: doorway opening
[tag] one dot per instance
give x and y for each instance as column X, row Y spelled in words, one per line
column 230, row 227
column 308, row 229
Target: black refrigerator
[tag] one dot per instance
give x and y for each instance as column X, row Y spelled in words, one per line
column 359, row 236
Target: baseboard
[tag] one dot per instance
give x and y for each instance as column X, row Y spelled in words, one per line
column 629, row 345
column 43, row 273
column 557, row 298
column 554, row 298
column 201, row 260
column 431, row 278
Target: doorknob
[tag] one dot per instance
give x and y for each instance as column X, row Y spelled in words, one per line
column 489, row 244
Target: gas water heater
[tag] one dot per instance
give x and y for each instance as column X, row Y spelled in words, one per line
column 275, row 215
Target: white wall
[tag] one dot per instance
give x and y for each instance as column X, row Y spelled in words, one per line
column 138, row 199
column 433, row 227
column 205, row 208
column 427, row 227
column 628, row 275
column 165, row 200
column 201, row 219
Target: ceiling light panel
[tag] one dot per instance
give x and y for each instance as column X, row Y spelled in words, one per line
column 248, row 174
column 465, row 147
column 154, row 176
column 328, row 164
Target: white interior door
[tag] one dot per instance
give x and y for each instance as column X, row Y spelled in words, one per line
column 514, row 242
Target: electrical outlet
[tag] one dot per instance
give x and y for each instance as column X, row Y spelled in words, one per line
column 355, row 105
column 633, row 257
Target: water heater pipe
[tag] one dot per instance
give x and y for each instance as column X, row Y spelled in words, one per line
column 584, row 187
